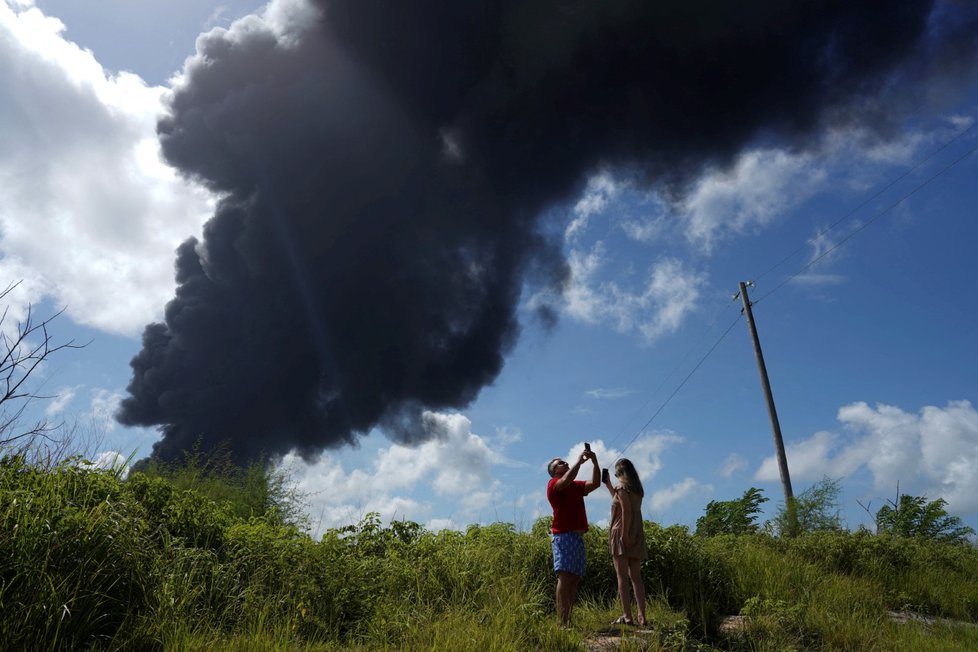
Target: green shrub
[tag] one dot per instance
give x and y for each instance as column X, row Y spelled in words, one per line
column 74, row 554
column 915, row 516
column 186, row 514
column 257, row 490
column 689, row 573
column 732, row 516
column 816, row 509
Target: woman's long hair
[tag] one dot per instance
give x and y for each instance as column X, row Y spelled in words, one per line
column 628, row 476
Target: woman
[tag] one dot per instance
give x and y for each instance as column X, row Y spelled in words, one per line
column 626, row 538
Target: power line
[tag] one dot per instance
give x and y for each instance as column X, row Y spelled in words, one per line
column 880, row 214
column 862, row 204
column 680, row 386
column 716, row 317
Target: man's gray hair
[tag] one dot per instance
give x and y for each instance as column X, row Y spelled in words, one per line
column 550, row 466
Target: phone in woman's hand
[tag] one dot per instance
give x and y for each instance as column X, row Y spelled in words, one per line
column 605, row 476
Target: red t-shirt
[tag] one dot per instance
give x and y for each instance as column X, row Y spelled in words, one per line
column 568, row 505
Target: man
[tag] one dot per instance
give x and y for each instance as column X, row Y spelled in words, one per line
column 566, row 496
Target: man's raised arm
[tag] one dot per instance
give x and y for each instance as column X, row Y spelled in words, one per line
column 566, row 479
column 595, row 480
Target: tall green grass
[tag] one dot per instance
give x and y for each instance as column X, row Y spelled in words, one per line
column 162, row 561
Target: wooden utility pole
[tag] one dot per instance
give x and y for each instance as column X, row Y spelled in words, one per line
column 773, row 413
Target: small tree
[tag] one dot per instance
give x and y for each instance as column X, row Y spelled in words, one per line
column 260, row 489
column 913, row 516
column 816, row 510
column 732, row 516
column 25, row 347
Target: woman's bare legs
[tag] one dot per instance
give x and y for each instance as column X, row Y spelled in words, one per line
column 624, row 590
column 635, row 573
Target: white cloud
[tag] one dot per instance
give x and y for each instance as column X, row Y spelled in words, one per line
column 824, row 253
column 218, row 16
column 476, row 501
column 949, row 444
column 63, row 397
column 933, row 453
column 806, row 459
column 580, row 409
column 439, row 524
column 286, row 18
column 456, row 464
column 609, row 393
column 109, row 461
column 960, row 122
column 824, row 246
column 760, row 186
column 890, row 446
column 644, row 221
column 674, row 292
column 670, row 294
column 534, row 505
column 103, row 406
column 644, row 230
column 732, row 464
column 819, row 279
column 506, row 435
column 601, row 189
column 663, row 499
column 19, row 295
column 89, row 215
column 582, row 301
column 646, row 452
column 901, row 151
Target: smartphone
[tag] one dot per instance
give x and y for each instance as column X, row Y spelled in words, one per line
column 587, row 447
column 605, row 476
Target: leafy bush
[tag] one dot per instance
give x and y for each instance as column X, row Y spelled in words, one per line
column 185, row 514
column 689, row 574
column 256, row 490
column 732, row 516
column 921, row 575
column 914, row 516
column 73, row 556
column 814, row 510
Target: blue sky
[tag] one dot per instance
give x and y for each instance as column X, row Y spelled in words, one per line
column 871, row 348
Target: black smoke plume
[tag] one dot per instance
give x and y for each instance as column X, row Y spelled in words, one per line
column 383, row 166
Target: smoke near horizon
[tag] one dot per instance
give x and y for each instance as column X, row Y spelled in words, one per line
column 383, row 167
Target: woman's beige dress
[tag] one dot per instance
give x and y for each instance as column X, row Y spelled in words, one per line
column 637, row 548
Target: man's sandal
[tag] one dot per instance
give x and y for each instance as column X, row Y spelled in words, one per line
column 621, row 620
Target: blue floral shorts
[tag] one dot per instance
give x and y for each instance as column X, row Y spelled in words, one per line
column 568, row 549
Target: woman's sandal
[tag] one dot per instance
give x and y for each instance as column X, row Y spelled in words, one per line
column 621, row 620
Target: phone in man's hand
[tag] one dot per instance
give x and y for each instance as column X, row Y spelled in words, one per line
column 587, row 447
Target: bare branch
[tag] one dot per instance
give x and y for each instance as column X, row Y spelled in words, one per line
column 871, row 514
column 24, row 349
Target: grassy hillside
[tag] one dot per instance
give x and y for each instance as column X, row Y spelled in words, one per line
column 91, row 561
